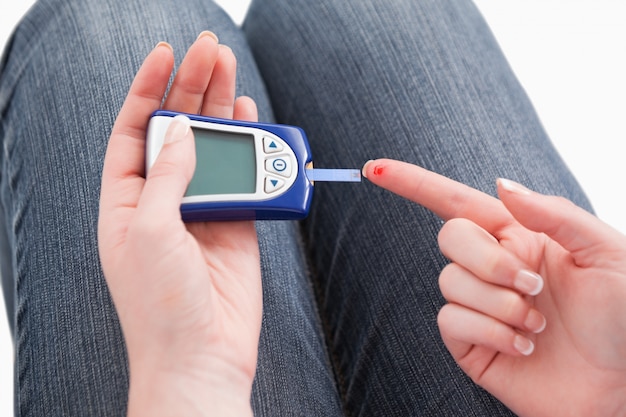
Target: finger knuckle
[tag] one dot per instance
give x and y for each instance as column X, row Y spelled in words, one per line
column 447, row 279
column 513, row 308
column 446, row 317
column 450, row 230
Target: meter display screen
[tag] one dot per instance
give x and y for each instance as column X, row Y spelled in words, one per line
column 225, row 163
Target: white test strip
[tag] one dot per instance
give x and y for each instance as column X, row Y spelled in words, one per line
column 334, row 175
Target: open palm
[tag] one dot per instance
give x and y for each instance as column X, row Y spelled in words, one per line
column 188, row 296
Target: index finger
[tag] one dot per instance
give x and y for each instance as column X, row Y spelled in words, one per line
column 122, row 174
column 445, row 197
column 125, row 152
column 144, row 97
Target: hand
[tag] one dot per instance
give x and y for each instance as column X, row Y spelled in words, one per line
column 188, row 296
column 536, row 292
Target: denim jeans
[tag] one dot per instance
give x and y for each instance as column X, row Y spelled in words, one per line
column 350, row 294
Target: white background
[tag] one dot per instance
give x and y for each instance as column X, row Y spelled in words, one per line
column 570, row 55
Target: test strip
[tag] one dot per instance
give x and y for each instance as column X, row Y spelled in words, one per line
column 334, row 175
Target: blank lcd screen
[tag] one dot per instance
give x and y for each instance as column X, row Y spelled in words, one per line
column 225, row 163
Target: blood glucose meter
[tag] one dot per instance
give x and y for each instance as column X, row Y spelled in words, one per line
column 245, row 170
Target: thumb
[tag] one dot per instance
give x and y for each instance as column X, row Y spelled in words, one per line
column 171, row 172
column 578, row 231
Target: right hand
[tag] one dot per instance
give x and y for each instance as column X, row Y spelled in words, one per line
column 500, row 252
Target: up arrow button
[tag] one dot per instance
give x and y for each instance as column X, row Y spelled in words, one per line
column 271, row 145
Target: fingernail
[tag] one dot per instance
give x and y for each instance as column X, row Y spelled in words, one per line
column 528, row 282
column 209, row 34
column 364, row 169
column 226, row 48
column 162, row 43
column 523, row 345
column 178, row 129
column 535, row 322
column 513, row 187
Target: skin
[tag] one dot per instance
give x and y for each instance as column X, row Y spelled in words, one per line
column 576, row 365
column 535, row 287
column 188, row 296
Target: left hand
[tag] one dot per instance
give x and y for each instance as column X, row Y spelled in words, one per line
column 519, row 264
column 188, row 296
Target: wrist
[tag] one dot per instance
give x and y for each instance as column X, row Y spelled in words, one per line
column 214, row 387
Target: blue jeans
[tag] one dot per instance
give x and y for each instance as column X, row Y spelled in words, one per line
column 350, row 294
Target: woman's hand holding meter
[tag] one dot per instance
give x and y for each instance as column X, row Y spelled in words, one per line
column 188, row 296
column 536, row 293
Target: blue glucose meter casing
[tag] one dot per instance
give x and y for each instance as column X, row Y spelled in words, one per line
column 279, row 188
